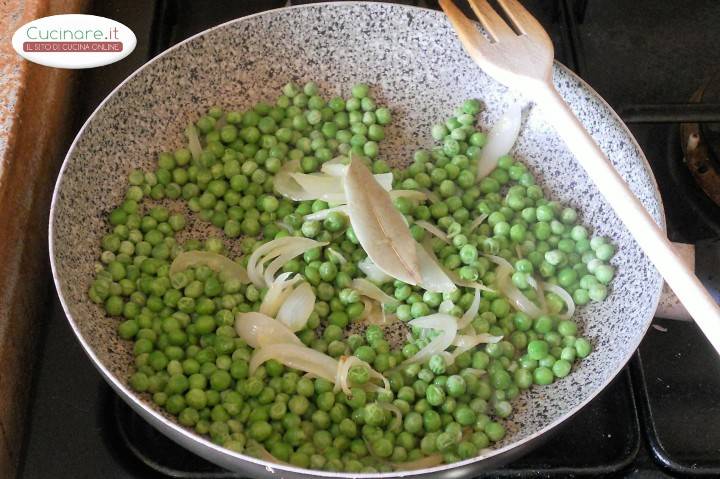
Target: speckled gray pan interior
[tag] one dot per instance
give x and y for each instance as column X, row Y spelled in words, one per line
column 413, row 60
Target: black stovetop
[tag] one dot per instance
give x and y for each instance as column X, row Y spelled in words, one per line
column 659, row 418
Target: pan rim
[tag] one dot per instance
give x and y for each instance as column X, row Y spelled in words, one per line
column 165, row 425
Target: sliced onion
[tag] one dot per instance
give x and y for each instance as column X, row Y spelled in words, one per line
column 431, row 195
column 374, row 274
column 285, row 248
column 433, row 230
column 475, row 372
column 446, row 324
column 471, row 311
column 336, row 255
column 193, row 142
column 501, row 138
column 259, row 330
column 422, row 463
column 412, row 195
column 298, row 306
column 396, row 411
column 328, row 188
column 427, row 246
column 366, row 288
column 255, row 258
column 223, row 265
column 323, row 187
column 446, row 306
column 477, row 222
column 278, row 292
column 285, row 254
column 465, row 283
column 368, row 306
column 344, row 365
column 322, row 214
column 385, row 180
column 297, row 357
column 334, row 169
column 465, row 342
column 284, row 226
column 500, row 261
column 376, row 314
column 517, row 299
column 287, row 186
column 434, row 278
column 565, row 296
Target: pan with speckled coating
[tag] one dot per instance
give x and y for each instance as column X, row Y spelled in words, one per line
column 416, row 66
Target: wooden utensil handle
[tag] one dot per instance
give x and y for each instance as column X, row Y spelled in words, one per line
column 638, row 221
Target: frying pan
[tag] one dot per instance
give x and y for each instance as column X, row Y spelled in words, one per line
column 413, row 60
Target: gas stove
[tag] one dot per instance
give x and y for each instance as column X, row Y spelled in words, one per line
column 656, row 63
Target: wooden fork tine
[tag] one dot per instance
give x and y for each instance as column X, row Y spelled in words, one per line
column 467, row 32
column 523, row 20
column 489, row 18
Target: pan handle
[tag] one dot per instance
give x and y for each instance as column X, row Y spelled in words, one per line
column 704, row 260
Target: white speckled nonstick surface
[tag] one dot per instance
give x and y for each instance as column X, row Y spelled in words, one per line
column 412, row 59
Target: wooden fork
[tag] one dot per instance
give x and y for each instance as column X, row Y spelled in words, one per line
column 524, row 61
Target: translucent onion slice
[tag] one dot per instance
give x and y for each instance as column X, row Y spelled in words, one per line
column 412, row 195
column 259, row 330
column 193, row 142
column 422, row 463
column 376, row 314
column 330, row 188
column 298, row 306
column 465, row 283
column 368, row 305
column 500, row 261
column 334, row 169
column 431, row 195
column 446, row 324
column 223, row 265
column 398, row 420
column 255, row 258
column 366, row 288
column 344, row 364
column 517, row 299
column 288, row 247
column 477, row 222
column 471, row 312
column 284, row 226
column 374, row 274
column 465, row 342
column 324, row 187
column 446, row 306
column 565, row 296
column 297, row 357
column 501, row 138
column 434, row 278
column 278, row 292
column 451, row 274
column 285, row 254
column 322, row 214
column 378, row 226
column 287, row 186
column 338, row 256
column 433, row 230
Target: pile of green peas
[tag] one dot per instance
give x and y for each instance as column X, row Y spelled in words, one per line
column 188, row 357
